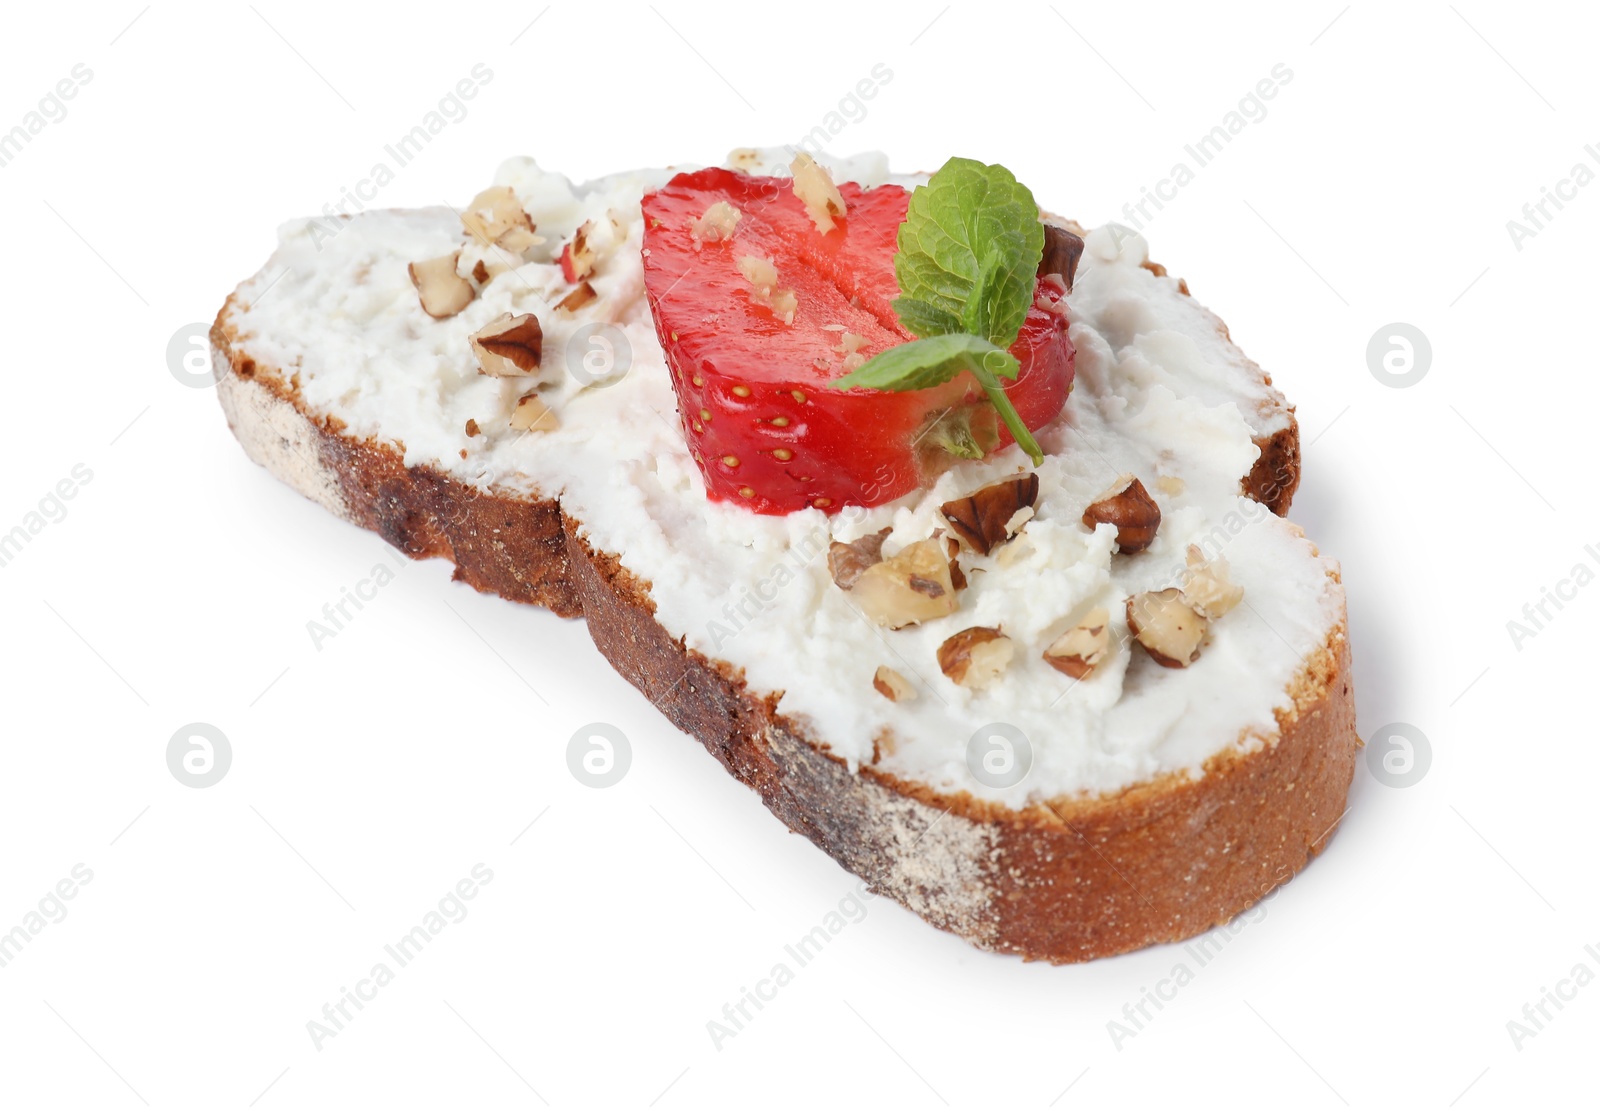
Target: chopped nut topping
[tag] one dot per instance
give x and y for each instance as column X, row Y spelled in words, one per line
column 1169, row 629
column 480, row 273
column 983, row 519
column 760, row 272
column 1022, row 517
column 892, row 686
column 581, row 296
column 716, row 224
column 848, row 346
column 472, row 427
column 532, row 415
column 1081, row 648
column 764, row 277
column 508, row 345
column 912, row 586
column 813, row 185
column 1206, row 586
column 976, row 657
column 1129, row 507
column 577, row 257
column 848, row 559
column 496, row 218
column 1062, row 250
column 957, row 577
column 442, row 291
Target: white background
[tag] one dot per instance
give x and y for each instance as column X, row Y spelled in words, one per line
column 370, row 776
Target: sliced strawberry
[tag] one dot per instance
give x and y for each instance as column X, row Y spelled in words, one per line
column 752, row 389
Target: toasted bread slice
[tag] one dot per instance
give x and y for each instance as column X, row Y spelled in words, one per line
column 1171, row 800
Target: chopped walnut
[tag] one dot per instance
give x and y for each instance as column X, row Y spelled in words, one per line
column 578, row 257
column 764, row 277
column 813, row 185
column 496, row 218
column 442, row 292
column 508, row 345
column 912, row 586
column 1169, row 629
column 716, row 224
column 532, row 415
column 847, row 560
column 892, row 686
column 1062, row 250
column 1081, row 648
column 1129, row 507
column 581, row 296
column 984, row 518
column 976, row 656
column 1206, row 586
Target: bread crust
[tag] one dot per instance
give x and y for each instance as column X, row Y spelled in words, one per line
column 506, row 544
column 1066, row 881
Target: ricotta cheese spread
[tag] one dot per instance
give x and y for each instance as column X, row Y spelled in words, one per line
column 1160, row 392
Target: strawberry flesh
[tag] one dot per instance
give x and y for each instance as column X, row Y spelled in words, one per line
column 765, row 428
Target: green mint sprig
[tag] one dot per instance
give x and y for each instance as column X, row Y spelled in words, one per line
column 967, row 255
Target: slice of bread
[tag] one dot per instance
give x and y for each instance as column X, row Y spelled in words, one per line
column 1158, row 802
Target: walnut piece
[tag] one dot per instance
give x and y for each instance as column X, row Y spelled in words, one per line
column 1081, row 648
column 532, row 415
column 847, row 560
column 813, row 185
column 1206, row 586
column 508, row 345
column 1062, row 250
column 957, row 577
column 976, row 656
column 442, row 291
column 912, row 586
column 496, row 218
column 1169, row 629
column 1129, row 507
column 716, row 224
column 985, row 518
column 892, row 686
column 763, row 275
column 581, row 295
column 577, row 257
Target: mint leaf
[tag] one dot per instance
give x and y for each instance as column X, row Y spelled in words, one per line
column 968, row 221
column 935, row 360
column 925, row 319
column 968, row 252
column 979, row 312
column 919, row 364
